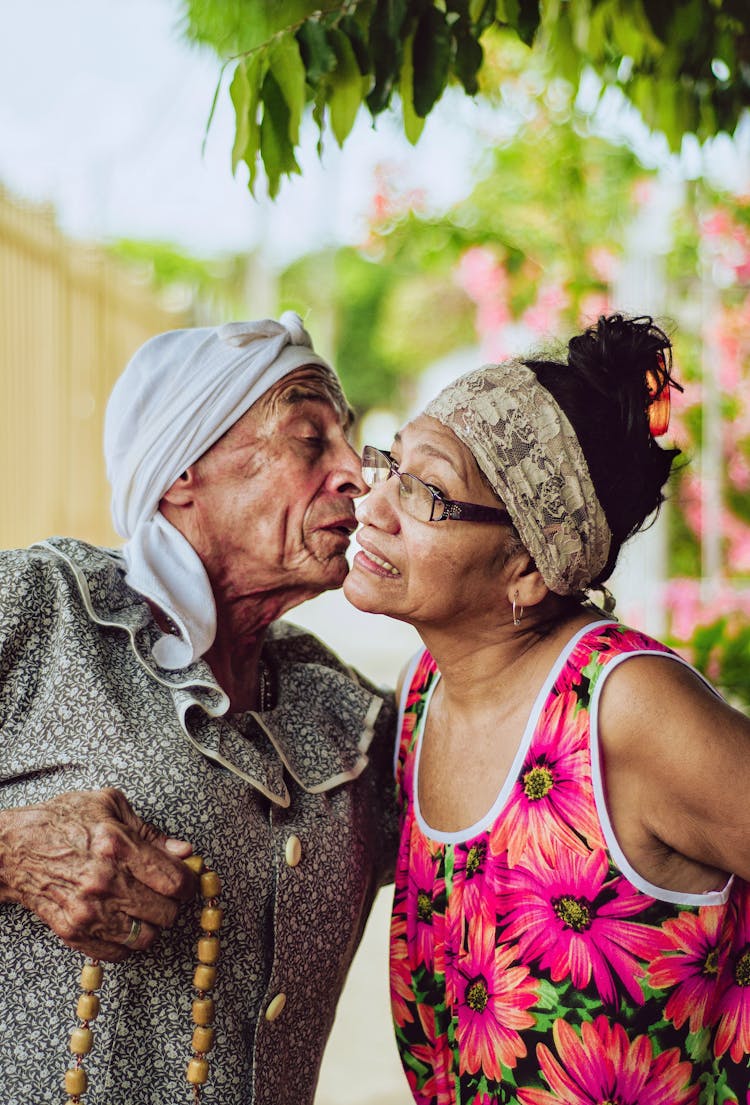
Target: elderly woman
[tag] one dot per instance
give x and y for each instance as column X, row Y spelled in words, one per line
column 571, row 925
column 151, row 704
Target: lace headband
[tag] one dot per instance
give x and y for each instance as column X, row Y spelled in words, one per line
column 528, row 450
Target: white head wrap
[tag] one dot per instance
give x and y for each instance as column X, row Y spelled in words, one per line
column 178, row 395
column 525, row 445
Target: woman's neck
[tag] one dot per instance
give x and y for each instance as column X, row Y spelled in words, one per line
column 477, row 666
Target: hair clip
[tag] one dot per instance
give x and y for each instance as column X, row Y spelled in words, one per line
column 660, row 403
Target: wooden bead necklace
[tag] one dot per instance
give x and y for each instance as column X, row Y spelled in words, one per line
column 204, row 980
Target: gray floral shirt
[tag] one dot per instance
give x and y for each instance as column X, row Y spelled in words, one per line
column 82, row 706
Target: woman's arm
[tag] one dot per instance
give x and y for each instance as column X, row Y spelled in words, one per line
column 677, row 769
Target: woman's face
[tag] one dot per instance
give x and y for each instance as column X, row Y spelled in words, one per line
column 428, row 573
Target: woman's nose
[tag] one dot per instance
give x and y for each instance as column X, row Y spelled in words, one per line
column 376, row 509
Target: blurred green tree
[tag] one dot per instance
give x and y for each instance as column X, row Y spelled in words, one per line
column 685, row 64
column 527, row 255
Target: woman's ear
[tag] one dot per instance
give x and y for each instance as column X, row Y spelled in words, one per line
column 525, row 584
column 181, row 492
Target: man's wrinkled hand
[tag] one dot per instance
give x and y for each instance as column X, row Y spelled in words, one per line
column 89, row 867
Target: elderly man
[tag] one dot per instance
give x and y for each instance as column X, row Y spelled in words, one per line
column 151, row 705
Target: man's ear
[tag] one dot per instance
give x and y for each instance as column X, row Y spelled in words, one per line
column 182, row 491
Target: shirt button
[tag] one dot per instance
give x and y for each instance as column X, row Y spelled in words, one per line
column 276, row 1007
column 293, row 851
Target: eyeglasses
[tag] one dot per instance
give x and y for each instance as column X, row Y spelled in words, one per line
column 418, row 498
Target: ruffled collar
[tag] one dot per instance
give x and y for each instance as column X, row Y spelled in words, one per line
column 318, row 733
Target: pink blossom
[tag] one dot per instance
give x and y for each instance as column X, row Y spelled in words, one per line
column 481, row 275
column 603, row 1065
column 567, row 915
column 733, row 1031
column 690, row 965
column 642, row 191
column 554, row 790
column 543, row 316
column 593, row 305
column 604, row 263
column 493, row 999
column 716, row 225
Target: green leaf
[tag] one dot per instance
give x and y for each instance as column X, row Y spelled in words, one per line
column 353, row 32
column 285, row 62
column 528, row 20
column 346, row 86
column 469, row 57
column 244, row 25
column 413, row 123
column 318, row 114
column 432, row 55
column 245, row 92
column 239, row 91
column 276, row 148
column 386, row 51
column 317, row 56
column 482, row 14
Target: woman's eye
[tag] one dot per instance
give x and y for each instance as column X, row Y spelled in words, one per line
column 434, row 487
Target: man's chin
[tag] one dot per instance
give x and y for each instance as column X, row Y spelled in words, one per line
column 335, row 571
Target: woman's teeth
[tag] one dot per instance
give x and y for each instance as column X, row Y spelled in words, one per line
column 383, row 564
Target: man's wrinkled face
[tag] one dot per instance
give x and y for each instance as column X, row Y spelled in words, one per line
column 273, row 499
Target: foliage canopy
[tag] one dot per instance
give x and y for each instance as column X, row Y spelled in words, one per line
column 685, row 64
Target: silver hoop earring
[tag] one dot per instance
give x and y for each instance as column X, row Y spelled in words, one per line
column 517, row 612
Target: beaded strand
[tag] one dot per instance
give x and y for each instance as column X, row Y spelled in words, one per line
column 203, row 1007
column 204, row 978
column 82, row 1038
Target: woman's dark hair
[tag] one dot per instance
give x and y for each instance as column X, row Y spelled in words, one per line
column 613, row 370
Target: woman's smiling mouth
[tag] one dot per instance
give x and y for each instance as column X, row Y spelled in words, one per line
column 384, row 565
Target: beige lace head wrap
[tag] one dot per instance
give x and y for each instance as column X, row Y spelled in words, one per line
column 528, row 450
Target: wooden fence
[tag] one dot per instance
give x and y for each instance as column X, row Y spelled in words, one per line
column 70, row 318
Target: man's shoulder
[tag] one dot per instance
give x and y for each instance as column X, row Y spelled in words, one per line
column 48, row 567
column 293, row 644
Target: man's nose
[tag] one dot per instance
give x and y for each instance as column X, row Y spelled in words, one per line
column 347, row 475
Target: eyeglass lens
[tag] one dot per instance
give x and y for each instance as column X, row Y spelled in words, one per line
column 415, row 495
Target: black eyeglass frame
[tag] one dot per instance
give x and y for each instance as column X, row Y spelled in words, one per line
column 453, row 509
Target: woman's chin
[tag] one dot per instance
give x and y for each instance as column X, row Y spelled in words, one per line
column 360, row 593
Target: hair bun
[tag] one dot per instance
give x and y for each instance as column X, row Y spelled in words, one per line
column 631, row 358
column 616, row 369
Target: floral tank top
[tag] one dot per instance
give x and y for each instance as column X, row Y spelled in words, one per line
column 530, row 964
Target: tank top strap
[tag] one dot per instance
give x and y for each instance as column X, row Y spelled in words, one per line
column 593, row 651
column 421, row 675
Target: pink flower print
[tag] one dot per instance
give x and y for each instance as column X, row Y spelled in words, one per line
column 455, row 932
column 436, row 1087
column 733, row 1031
column 568, row 917
column 402, row 994
column 493, row 996
column 691, row 964
column 405, row 780
column 474, row 878
column 425, row 924
column 603, row 1066
column 554, row 792
column 422, row 675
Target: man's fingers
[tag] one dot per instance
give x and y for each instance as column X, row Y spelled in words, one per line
column 153, row 858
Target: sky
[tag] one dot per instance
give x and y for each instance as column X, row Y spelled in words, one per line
column 103, row 112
